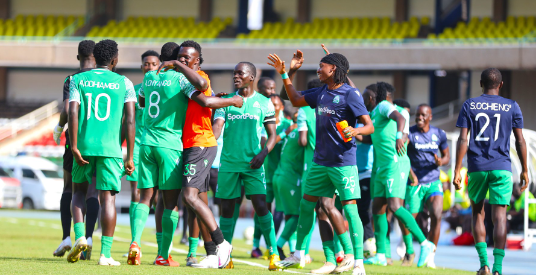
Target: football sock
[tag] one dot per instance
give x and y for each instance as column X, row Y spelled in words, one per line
column 170, row 219
column 192, row 242
column 257, row 233
column 236, row 213
column 380, row 232
column 290, row 227
column 141, row 212
column 305, row 222
column 292, row 242
column 279, row 216
column 226, row 225
column 356, row 229
column 337, row 244
column 268, row 230
column 346, row 243
column 388, row 246
column 328, row 252
column 403, row 215
column 210, row 248
column 482, row 253
column 159, row 241
column 79, row 230
column 65, row 214
column 408, row 240
column 131, row 210
column 498, row 256
column 106, row 246
column 217, row 236
column 92, row 213
column 308, row 237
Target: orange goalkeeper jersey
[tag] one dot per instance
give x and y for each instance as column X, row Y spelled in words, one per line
column 198, row 125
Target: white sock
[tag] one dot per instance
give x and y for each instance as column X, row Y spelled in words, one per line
column 90, row 241
column 300, row 254
column 425, row 242
column 358, row 262
column 381, row 256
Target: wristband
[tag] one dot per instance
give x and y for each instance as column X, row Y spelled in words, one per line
column 282, row 135
column 398, row 135
column 284, row 76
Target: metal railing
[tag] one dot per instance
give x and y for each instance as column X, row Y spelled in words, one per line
column 28, row 121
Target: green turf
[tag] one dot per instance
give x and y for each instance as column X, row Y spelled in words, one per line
column 26, row 247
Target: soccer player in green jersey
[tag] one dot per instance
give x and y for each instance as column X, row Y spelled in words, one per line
column 242, row 157
column 98, row 99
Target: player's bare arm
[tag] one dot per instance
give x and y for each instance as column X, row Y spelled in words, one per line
column 287, row 132
column 216, row 102
column 193, row 77
column 444, row 159
column 521, row 148
column 400, row 122
column 141, row 101
column 366, row 129
column 413, row 178
column 295, row 65
column 73, row 133
column 130, row 123
column 258, row 160
column 461, row 149
column 302, row 140
column 294, row 96
column 217, row 125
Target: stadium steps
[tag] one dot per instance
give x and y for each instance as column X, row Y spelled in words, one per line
column 13, row 145
column 18, row 109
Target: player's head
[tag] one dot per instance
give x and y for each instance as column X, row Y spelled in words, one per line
column 384, row 91
column 295, row 117
column 402, row 103
column 314, row 83
column 85, row 50
column 189, row 54
column 106, row 54
column 369, row 96
column 333, row 66
column 278, row 104
column 266, row 86
column 168, row 51
column 491, row 79
column 423, row 116
column 150, row 61
column 244, row 74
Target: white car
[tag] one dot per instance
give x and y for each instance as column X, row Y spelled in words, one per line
column 10, row 190
column 41, row 181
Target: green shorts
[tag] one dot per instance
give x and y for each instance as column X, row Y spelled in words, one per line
column 388, row 181
column 160, row 167
column 136, row 158
column 230, row 183
column 322, row 181
column 498, row 182
column 108, row 171
column 288, row 193
column 417, row 196
column 405, row 167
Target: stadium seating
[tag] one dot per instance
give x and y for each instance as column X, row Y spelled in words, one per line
column 38, row 25
column 161, row 27
column 340, row 28
column 512, row 28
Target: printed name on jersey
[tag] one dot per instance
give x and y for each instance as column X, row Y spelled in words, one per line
column 325, row 110
column 490, row 106
column 426, row 146
column 158, row 83
column 102, row 85
column 243, row 116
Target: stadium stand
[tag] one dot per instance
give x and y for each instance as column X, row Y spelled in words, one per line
column 513, row 27
column 38, row 25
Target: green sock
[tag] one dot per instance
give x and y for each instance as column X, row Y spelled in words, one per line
column 346, row 243
column 356, row 229
column 226, row 226
column 482, row 253
column 305, row 222
column 192, row 242
column 79, row 230
column 329, row 252
column 308, row 237
column 268, row 230
column 498, row 256
column 337, row 244
column 140, row 218
column 408, row 240
column 236, row 213
column 131, row 216
column 159, row 241
column 292, row 243
column 256, row 243
column 403, row 215
column 380, row 232
column 388, row 246
column 257, row 232
column 170, row 219
column 290, row 228
column 106, row 246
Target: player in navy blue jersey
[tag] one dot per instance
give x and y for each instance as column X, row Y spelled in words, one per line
column 490, row 119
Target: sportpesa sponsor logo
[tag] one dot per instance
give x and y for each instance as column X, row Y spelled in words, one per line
column 426, row 146
column 325, row 110
column 101, row 85
column 243, row 116
column 157, row 83
column 490, row 106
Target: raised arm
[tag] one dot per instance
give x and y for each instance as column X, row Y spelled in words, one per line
column 296, row 98
column 400, row 123
column 216, row 102
column 295, row 65
column 461, row 149
column 193, row 77
column 521, row 148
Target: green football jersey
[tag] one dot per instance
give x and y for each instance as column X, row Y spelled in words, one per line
column 384, row 136
column 292, row 155
column 405, row 114
column 307, row 122
column 140, row 123
column 166, row 100
column 243, row 127
column 272, row 160
column 102, row 95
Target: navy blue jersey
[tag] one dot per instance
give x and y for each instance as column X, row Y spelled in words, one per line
column 332, row 106
column 421, row 150
column 490, row 120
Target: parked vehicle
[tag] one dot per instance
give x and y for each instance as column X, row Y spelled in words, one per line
column 41, row 181
column 10, row 190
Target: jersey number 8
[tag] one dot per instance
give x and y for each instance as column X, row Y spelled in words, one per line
column 154, row 104
column 108, row 102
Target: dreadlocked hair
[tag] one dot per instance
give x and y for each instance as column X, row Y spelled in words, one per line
column 196, row 46
column 342, row 66
column 383, row 89
column 105, row 51
column 85, row 48
column 168, row 51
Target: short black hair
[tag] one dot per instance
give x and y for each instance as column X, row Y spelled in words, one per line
column 169, row 51
column 85, row 48
column 402, row 103
column 196, row 46
column 149, row 53
column 263, row 79
column 314, row 83
column 372, row 87
column 275, row 95
column 251, row 67
column 383, row 88
column 491, row 78
column 424, row 105
column 105, row 51
column 342, row 66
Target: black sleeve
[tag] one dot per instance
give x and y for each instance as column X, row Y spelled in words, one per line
column 66, row 84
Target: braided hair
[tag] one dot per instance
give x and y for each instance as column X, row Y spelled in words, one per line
column 383, row 89
column 342, row 66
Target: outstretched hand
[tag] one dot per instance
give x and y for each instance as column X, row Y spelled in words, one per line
column 297, row 61
column 277, row 63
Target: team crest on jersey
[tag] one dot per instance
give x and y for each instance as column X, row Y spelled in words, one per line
column 292, row 192
column 416, row 137
column 206, row 162
column 434, row 138
column 256, row 104
column 336, row 99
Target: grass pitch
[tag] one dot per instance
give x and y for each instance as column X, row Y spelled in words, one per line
column 26, row 247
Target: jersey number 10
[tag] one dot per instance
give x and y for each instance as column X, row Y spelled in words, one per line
column 99, row 96
column 479, row 137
